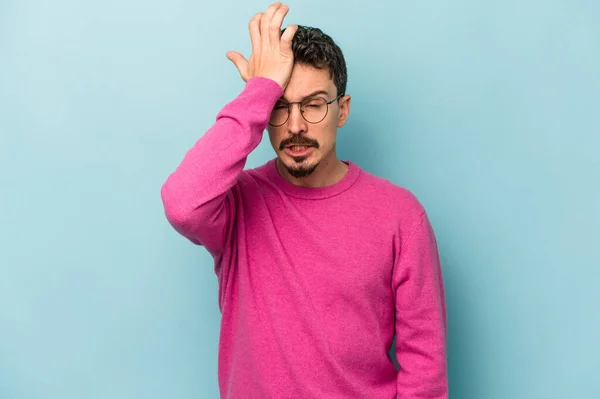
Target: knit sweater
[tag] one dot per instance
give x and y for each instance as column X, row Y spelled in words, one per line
column 313, row 282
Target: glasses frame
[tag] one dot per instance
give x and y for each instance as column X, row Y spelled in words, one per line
column 289, row 111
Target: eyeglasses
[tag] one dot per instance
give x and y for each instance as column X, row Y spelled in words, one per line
column 313, row 110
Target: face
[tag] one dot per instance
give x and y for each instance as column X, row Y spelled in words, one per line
column 315, row 143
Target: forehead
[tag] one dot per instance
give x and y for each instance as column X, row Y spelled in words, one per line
column 306, row 80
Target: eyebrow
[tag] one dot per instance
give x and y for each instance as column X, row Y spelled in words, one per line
column 314, row 93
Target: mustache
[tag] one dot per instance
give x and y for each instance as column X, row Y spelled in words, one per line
column 298, row 140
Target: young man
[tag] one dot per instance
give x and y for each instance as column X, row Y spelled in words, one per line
column 319, row 263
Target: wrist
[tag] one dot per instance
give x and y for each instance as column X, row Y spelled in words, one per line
column 266, row 81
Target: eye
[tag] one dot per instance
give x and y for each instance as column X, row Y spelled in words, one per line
column 314, row 102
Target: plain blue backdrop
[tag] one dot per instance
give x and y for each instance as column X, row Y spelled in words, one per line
column 488, row 111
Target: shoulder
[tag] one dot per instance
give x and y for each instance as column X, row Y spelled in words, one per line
column 400, row 212
column 255, row 174
column 394, row 197
column 253, row 180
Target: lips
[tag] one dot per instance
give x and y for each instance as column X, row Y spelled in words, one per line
column 298, row 151
column 298, row 147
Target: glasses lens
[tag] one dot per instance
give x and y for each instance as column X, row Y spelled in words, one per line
column 314, row 109
column 279, row 114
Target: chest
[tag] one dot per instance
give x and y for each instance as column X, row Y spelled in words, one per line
column 327, row 249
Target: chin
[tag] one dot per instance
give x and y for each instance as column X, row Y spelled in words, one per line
column 299, row 166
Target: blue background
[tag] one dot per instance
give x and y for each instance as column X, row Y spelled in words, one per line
column 487, row 111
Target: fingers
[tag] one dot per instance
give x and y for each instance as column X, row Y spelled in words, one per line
column 267, row 58
column 240, row 63
column 286, row 38
column 275, row 24
column 265, row 22
column 254, row 28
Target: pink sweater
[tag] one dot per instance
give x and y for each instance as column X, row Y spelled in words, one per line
column 313, row 282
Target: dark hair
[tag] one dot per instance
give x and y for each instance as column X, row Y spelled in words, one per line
column 314, row 48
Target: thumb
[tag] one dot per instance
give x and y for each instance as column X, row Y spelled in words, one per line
column 240, row 63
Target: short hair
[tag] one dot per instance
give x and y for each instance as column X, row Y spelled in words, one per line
column 314, row 48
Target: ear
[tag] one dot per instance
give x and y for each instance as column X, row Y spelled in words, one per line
column 344, row 110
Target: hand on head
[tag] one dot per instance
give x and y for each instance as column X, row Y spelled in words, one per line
column 272, row 55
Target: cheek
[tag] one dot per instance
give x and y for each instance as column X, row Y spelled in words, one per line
column 326, row 138
column 330, row 130
column 276, row 136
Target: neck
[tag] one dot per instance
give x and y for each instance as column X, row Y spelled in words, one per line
column 329, row 171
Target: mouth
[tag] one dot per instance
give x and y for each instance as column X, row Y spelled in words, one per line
column 298, row 150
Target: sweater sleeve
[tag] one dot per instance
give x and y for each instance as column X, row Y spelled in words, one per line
column 198, row 198
column 420, row 316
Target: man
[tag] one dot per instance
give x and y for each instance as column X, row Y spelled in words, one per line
column 319, row 263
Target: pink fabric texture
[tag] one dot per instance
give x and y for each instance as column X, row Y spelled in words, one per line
column 313, row 282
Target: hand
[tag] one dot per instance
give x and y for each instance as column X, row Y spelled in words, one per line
column 272, row 55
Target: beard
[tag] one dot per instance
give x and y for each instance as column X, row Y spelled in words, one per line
column 300, row 169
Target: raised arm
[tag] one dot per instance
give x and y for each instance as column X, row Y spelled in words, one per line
column 198, row 197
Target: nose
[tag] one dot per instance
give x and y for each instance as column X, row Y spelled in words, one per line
column 296, row 122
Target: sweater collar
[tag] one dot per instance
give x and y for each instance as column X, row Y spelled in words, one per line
column 313, row 192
